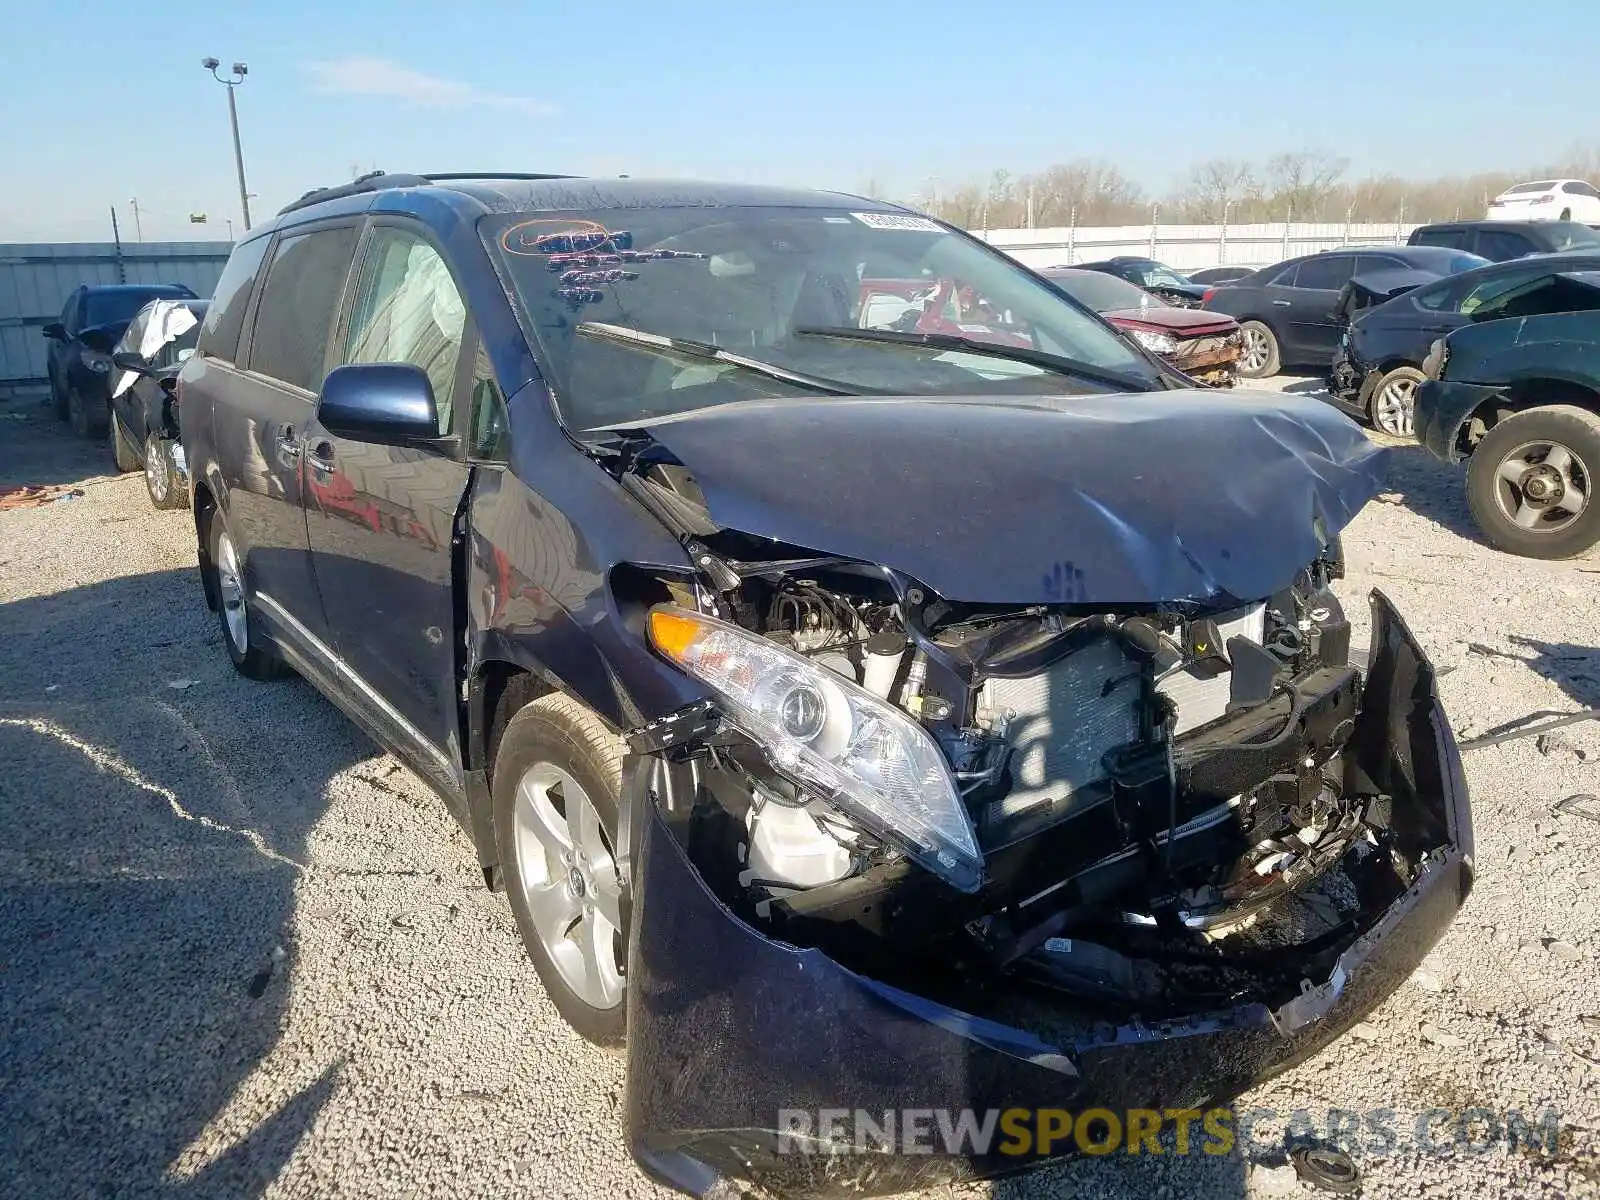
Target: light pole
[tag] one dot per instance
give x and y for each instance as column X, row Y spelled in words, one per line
column 236, row 76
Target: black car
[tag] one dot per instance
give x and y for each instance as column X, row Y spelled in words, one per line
column 1211, row 276
column 1378, row 364
column 1501, row 241
column 1154, row 277
column 1516, row 392
column 144, row 396
column 825, row 696
column 79, row 361
column 1288, row 313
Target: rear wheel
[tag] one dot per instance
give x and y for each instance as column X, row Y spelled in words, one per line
column 1531, row 482
column 161, row 476
column 556, row 784
column 1258, row 352
column 58, row 399
column 123, row 452
column 1392, row 406
column 249, row 655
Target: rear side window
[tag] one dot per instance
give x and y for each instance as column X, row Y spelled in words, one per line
column 219, row 333
column 1326, row 274
column 1455, row 239
column 1500, row 246
column 1286, row 277
column 301, row 296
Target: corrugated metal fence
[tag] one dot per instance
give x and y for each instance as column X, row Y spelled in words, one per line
column 36, row 279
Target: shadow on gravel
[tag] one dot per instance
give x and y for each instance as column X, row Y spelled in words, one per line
column 1432, row 489
column 39, row 450
column 1574, row 669
column 150, row 842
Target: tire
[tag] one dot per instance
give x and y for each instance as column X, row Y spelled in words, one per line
column 1392, row 402
column 123, row 453
column 555, row 758
column 1522, row 451
column 58, row 400
column 85, row 423
column 1259, row 356
column 161, row 477
column 250, row 655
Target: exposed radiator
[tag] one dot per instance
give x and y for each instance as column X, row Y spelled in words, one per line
column 1064, row 719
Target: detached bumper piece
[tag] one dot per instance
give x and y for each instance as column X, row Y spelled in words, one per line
column 729, row 1029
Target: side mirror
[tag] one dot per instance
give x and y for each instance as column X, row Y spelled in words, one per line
column 55, row 331
column 383, row 404
column 129, row 361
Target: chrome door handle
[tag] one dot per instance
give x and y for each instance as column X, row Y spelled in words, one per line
column 320, row 457
column 288, row 445
column 1282, row 303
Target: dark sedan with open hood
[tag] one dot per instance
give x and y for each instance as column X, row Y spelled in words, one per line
column 1203, row 345
column 878, row 686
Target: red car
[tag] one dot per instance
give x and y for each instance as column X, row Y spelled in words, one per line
column 1203, row 345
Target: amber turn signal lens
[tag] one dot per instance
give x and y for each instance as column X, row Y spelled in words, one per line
column 673, row 634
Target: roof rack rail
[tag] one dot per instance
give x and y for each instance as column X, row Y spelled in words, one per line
column 378, row 181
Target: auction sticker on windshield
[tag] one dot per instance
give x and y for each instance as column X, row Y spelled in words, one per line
column 897, row 221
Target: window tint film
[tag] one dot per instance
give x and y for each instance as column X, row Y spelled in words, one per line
column 1326, row 274
column 219, row 334
column 408, row 310
column 1500, row 246
column 294, row 320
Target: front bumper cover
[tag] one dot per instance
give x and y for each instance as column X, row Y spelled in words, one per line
column 727, row 1027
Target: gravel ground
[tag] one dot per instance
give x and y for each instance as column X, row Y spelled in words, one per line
column 244, row 953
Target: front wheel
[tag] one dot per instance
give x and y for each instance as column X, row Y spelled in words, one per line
column 161, row 476
column 1258, row 353
column 1393, row 406
column 557, row 782
column 1531, row 480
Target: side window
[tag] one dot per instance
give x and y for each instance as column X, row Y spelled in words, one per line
column 69, row 314
column 1455, row 239
column 1326, row 274
column 1576, row 189
column 1286, row 277
column 1500, row 246
column 488, row 435
column 1436, row 297
column 408, row 310
column 300, row 298
column 219, row 333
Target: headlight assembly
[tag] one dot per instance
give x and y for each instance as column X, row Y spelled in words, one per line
column 98, row 363
column 1158, row 343
column 845, row 745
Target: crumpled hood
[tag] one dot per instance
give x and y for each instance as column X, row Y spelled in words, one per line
column 1108, row 500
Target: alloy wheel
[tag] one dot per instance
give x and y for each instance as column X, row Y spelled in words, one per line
column 569, row 878
column 230, row 583
column 1394, row 407
column 1542, row 486
column 1255, row 351
column 157, row 469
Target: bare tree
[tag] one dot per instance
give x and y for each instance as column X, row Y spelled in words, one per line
column 1217, row 187
column 1301, row 183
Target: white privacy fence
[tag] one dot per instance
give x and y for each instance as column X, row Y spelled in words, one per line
column 1189, row 247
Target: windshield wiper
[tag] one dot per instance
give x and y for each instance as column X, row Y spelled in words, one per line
column 1058, row 363
column 688, row 348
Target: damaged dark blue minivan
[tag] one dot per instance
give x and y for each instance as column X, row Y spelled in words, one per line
column 875, row 682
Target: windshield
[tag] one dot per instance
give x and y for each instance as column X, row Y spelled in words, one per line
column 106, row 308
column 1103, row 293
column 1569, row 235
column 746, row 279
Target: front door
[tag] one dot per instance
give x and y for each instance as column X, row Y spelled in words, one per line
column 381, row 519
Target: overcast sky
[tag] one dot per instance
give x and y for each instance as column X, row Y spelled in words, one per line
column 101, row 103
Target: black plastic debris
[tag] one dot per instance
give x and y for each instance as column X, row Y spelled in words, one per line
column 1326, row 1168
